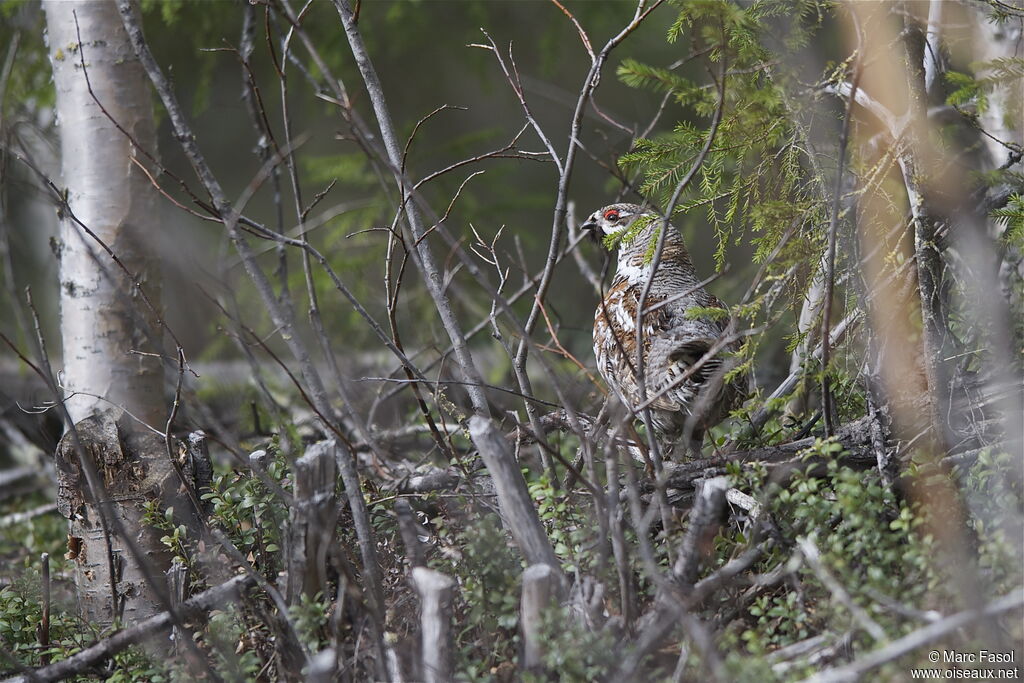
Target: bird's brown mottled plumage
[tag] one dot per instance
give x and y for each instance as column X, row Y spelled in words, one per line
column 672, row 342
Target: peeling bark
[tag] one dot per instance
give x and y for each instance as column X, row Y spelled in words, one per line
column 111, row 580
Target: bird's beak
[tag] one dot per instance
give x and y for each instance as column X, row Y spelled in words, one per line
column 591, row 226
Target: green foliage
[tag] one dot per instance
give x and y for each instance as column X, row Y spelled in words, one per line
column 248, row 511
column 975, row 89
column 1013, row 217
column 310, row 616
column 29, row 86
column 756, row 174
column 205, row 22
column 21, row 599
column 576, row 653
column 170, row 12
column 871, row 544
column 636, row 74
column 175, row 537
column 569, row 524
column 45, row 533
column 1007, row 70
column 20, row 614
column 487, row 570
column 761, row 184
column 875, row 545
column 707, row 313
column 965, row 90
column 133, row 665
column 994, row 498
column 635, row 228
column 349, row 169
column 226, row 634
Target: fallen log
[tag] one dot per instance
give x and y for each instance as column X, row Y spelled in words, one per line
column 19, row 517
column 854, row 437
column 21, row 480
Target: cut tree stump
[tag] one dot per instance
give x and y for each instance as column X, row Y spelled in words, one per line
column 543, row 590
column 435, row 591
column 119, row 561
column 312, row 522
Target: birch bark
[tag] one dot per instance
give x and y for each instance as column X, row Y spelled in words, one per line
column 1001, row 118
column 103, row 316
column 108, row 464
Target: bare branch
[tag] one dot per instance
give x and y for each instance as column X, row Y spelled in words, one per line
column 918, row 639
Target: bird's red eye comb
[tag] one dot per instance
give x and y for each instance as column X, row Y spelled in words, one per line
column 611, row 215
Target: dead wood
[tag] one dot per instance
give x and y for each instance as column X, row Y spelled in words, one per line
column 20, row 480
column 704, row 520
column 435, row 591
column 312, row 521
column 855, row 670
column 543, row 587
column 517, row 509
column 854, row 437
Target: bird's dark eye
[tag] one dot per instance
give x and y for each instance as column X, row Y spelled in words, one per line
column 611, row 215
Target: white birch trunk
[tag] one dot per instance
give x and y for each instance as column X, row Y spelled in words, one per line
column 1001, row 118
column 808, row 326
column 103, row 316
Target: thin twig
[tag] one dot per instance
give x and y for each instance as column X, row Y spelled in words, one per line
column 827, row 409
column 281, row 317
column 809, row 549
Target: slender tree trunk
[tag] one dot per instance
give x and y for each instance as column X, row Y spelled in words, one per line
column 103, row 315
column 994, row 40
column 109, row 288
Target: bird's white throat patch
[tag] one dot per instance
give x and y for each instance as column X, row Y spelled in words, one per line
column 634, row 274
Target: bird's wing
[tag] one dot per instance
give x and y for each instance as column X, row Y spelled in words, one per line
column 681, row 342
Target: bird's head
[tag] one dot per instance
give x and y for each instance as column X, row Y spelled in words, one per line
column 616, row 221
column 613, row 219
